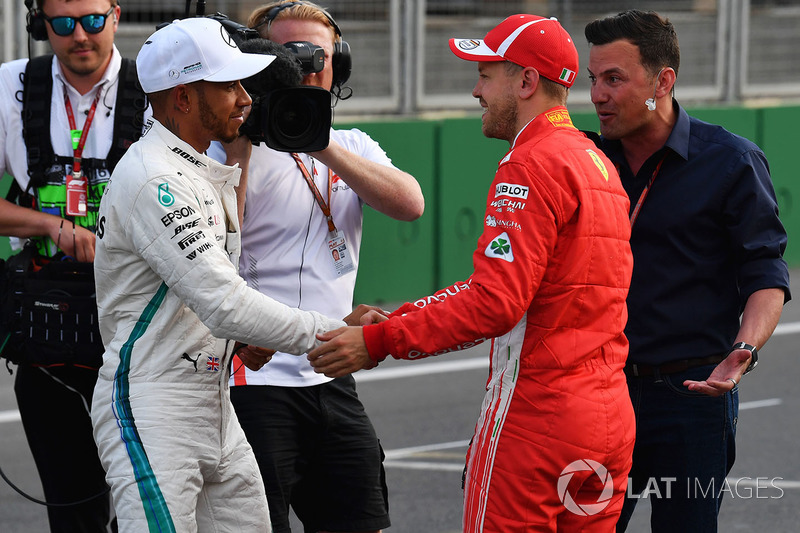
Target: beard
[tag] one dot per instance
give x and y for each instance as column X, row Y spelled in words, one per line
column 501, row 121
column 83, row 65
column 210, row 121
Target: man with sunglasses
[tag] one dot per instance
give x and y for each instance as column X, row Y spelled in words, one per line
column 64, row 26
column 78, row 116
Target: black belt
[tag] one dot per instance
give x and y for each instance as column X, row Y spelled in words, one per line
column 673, row 367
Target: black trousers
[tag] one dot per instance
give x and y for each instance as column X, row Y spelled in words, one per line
column 318, row 453
column 59, row 432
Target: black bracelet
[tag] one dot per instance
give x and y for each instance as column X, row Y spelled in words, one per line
column 753, row 353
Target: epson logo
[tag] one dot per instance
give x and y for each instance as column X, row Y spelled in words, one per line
column 189, row 157
column 183, row 212
column 511, row 189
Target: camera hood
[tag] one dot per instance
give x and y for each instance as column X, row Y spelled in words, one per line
column 296, row 119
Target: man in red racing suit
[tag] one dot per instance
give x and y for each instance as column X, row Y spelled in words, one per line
column 553, row 444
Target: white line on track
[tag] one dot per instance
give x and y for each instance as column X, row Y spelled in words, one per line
column 787, row 329
column 9, row 416
column 422, row 465
column 13, row 416
column 399, row 458
column 755, row 404
column 471, row 364
column 423, row 369
column 763, row 483
column 406, row 452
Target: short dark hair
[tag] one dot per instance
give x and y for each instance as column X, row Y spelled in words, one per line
column 651, row 33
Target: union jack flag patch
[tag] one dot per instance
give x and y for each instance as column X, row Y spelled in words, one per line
column 213, row 364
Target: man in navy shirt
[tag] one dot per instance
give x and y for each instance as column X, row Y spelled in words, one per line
column 707, row 245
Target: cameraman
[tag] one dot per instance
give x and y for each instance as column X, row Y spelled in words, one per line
column 43, row 101
column 307, row 430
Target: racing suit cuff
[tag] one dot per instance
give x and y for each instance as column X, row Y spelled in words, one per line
column 373, row 338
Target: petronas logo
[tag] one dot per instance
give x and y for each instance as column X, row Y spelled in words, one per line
column 500, row 248
column 165, row 197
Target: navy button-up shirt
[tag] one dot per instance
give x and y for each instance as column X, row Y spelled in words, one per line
column 707, row 236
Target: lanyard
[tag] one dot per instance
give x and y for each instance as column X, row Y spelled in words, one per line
column 326, row 208
column 78, row 148
column 640, row 202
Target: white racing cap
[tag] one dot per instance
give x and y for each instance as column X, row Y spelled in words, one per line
column 194, row 49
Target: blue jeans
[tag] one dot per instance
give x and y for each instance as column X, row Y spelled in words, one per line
column 685, row 446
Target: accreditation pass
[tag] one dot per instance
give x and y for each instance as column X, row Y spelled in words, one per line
column 340, row 254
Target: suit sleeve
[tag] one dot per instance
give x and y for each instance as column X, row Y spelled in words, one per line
column 185, row 254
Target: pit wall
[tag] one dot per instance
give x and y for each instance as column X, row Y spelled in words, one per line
column 454, row 163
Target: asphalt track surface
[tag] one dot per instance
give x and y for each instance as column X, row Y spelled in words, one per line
column 424, row 412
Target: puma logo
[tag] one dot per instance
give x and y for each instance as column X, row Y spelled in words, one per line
column 193, row 361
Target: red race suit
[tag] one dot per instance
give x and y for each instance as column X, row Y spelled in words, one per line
column 552, row 447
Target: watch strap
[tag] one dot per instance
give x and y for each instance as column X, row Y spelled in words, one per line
column 753, row 351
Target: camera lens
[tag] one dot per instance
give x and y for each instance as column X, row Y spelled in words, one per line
column 295, row 117
column 299, row 119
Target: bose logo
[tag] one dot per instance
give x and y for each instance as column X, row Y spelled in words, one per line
column 190, row 158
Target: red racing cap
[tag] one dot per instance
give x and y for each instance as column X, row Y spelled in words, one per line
column 528, row 41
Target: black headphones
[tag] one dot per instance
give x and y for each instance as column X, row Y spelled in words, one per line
column 342, row 63
column 35, row 23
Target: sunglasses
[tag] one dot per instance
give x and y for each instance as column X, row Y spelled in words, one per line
column 64, row 26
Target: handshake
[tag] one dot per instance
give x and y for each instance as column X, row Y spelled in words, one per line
column 343, row 350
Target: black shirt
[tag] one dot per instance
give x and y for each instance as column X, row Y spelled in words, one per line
column 707, row 236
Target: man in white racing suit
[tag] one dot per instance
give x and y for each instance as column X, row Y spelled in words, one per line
column 169, row 298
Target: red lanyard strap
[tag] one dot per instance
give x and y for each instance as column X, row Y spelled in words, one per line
column 640, row 202
column 78, row 150
column 325, row 206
